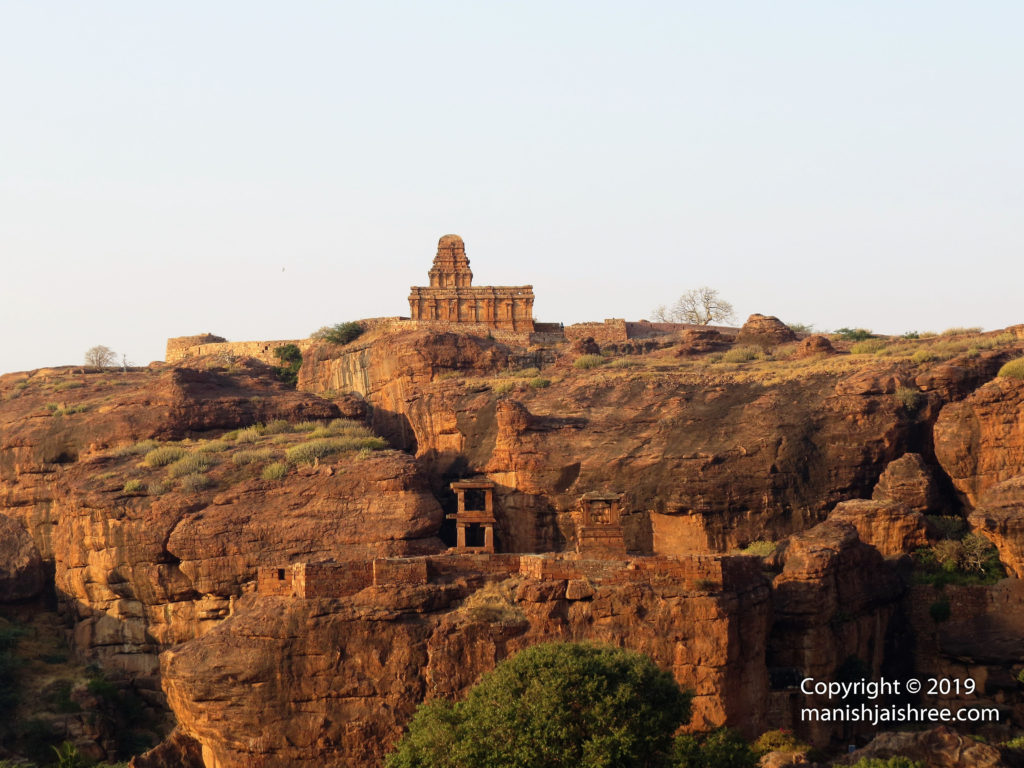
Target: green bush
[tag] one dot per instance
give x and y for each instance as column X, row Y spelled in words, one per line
column 341, row 333
column 854, row 334
column 504, row 387
column 195, row 483
column 971, row 560
column 1013, row 369
column 144, row 446
column 213, row 446
column 341, row 428
column 157, row 488
column 892, row 762
column 275, row 471
column 308, row 452
column 623, row 362
column 161, row 457
column 278, row 427
column 743, row 354
column 761, row 548
column 801, row 327
column 250, row 434
column 722, row 748
column 779, row 741
column 527, row 373
column 868, row 347
column 586, row 362
column 909, row 398
column 540, row 382
column 68, row 756
column 557, row 705
column 1017, row 742
column 922, row 356
column 134, row 486
column 190, row 464
column 241, row 458
column 962, row 331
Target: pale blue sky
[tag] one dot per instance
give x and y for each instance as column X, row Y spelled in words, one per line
column 833, row 163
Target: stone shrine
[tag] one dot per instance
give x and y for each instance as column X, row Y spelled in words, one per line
column 600, row 531
column 452, row 297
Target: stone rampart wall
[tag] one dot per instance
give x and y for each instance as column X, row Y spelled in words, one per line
column 609, row 331
column 330, row 580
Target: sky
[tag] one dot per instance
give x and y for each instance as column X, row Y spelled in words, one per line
column 261, row 169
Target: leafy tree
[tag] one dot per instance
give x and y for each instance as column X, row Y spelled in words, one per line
column 100, row 356
column 719, row 749
column 291, row 359
column 557, row 705
column 699, row 306
column 341, row 333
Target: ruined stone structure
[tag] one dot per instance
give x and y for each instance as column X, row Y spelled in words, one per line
column 600, row 530
column 452, row 297
column 474, row 521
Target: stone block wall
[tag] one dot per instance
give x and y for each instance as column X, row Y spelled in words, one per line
column 332, row 579
column 181, row 348
column 608, row 332
column 390, row 571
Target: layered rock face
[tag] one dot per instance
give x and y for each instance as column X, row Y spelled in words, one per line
column 333, row 682
column 145, row 568
column 706, row 463
column 707, row 459
column 980, row 440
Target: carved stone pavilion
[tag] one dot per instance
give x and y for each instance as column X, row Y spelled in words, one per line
column 452, row 297
column 474, row 520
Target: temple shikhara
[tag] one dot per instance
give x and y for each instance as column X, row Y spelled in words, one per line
column 453, row 298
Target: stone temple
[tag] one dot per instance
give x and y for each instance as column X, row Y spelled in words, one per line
column 452, row 297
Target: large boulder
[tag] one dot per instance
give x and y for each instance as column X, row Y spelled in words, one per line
column 979, row 440
column 910, row 482
column 765, row 331
column 814, row 345
column 888, row 526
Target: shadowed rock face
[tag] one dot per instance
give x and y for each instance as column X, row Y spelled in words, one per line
column 1000, row 517
column 21, row 567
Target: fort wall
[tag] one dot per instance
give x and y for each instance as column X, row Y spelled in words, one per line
column 341, row 579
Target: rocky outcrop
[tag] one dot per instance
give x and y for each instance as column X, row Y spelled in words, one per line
column 979, row 441
column 960, row 376
column 333, row 682
column 142, row 561
column 815, row 345
column 699, row 341
column 21, row 567
column 910, row 482
column 765, row 331
column 177, row 751
column 940, row 747
column 1000, row 517
column 887, row 526
column 835, row 600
